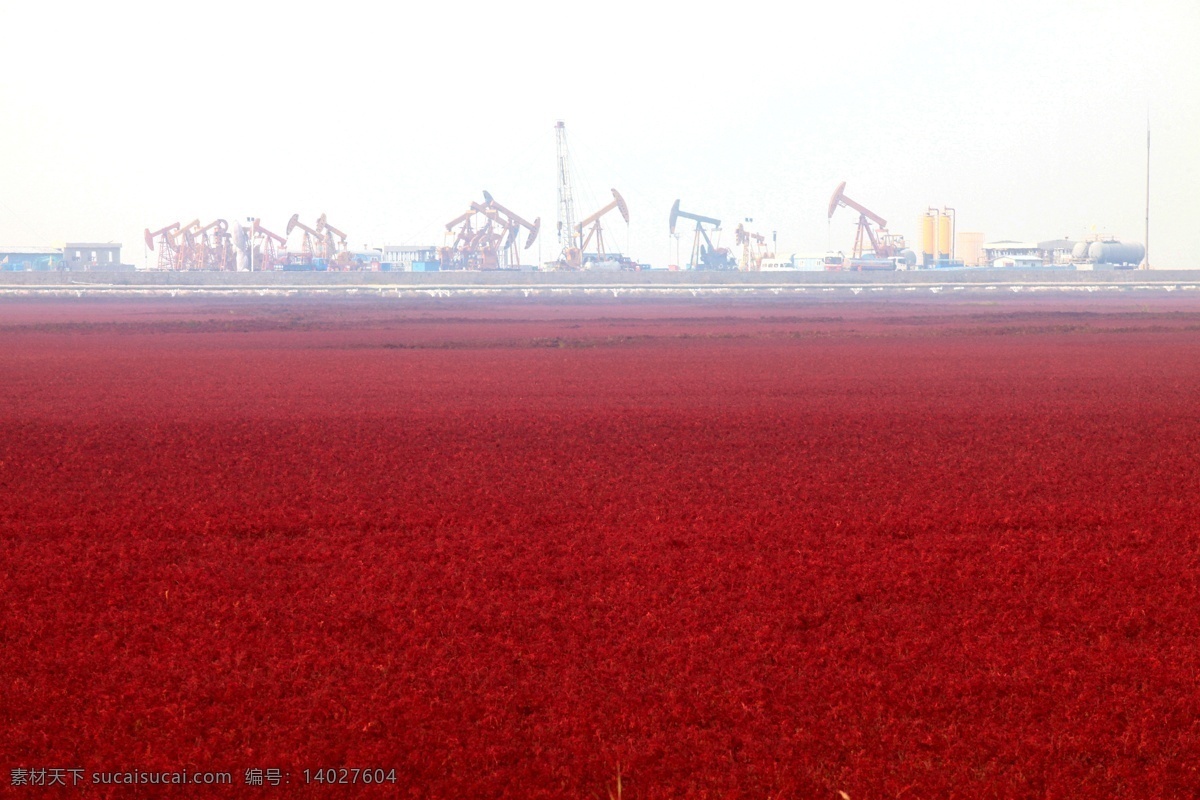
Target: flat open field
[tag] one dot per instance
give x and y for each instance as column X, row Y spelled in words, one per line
column 919, row 548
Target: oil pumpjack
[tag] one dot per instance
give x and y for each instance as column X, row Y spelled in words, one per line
column 595, row 233
column 703, row 257
column 887, row 248
column 486, row 237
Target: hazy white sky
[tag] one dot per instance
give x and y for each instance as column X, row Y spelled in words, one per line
column 1028, row 117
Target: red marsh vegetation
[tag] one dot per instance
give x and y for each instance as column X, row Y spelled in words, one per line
column 935, row 548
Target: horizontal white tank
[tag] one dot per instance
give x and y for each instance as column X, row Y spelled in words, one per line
column 1116, row 252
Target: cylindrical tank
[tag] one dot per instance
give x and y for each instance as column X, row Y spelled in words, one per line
column 1116, row 252
column 928, row 235
column 968, row 245
column 943, row 242
column 1080, row 251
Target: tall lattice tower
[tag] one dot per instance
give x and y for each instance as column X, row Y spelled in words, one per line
column 567, row 236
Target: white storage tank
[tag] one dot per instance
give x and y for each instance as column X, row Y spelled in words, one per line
column 1130, row 253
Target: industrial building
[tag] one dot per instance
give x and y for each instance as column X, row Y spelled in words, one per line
column 409, row 258
column 21, row 259
column 88, row 255
column 1057, row 251
column 1012, row 253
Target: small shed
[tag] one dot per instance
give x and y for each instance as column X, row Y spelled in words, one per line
column 88, row 255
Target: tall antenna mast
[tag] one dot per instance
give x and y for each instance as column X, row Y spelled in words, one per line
column 566, row 203
column 1146, row 263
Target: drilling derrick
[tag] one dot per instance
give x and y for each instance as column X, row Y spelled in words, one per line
column 571, row 256
column 168, row 252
